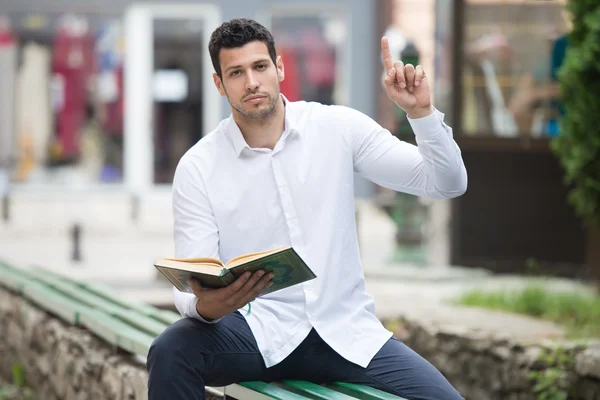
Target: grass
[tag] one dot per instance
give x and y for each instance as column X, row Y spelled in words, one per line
column 578, row 313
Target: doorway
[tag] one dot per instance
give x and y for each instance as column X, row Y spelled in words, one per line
column 171, row 103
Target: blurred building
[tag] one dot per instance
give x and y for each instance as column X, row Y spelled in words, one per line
column 114, row 93
column 107, row 97
column 494, row 65
column 505, row 108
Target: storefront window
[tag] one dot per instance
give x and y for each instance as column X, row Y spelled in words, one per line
column 311, row 45
column 177, row 91
column 443, row 40
column 511, row 55
column 67, row 98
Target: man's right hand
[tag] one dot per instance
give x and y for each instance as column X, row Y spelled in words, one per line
column 217, row 303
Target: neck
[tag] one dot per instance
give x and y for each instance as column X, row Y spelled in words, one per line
column 262, row 132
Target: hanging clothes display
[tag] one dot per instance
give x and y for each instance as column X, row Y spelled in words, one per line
column 72, row 67
column 33, row 109
column 109, row 52
column 110, row 86
column 8, row 67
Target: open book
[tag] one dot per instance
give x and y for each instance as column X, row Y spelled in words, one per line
column 287, row 266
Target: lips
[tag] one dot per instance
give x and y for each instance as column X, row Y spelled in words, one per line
column 255, row 97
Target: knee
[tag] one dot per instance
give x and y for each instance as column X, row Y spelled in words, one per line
column 168, row 348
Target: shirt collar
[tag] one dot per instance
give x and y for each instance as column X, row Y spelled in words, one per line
column 237, row 139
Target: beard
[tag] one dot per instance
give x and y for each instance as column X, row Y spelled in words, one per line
column 257, row 112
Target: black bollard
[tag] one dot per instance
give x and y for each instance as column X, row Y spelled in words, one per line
column 76, row 242
column 5, row 208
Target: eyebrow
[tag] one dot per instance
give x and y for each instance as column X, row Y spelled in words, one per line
column 262, row 60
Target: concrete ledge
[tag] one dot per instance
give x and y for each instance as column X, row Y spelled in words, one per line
column 489, row 355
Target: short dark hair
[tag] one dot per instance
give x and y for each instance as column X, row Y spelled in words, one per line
column 237, row 33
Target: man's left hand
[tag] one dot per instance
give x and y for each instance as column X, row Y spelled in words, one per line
column 406, row 85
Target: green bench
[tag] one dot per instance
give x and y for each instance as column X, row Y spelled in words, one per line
column 132, row 327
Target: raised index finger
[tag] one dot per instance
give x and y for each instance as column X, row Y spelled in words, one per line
column 385, row 52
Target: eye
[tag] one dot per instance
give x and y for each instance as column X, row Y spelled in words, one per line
column 235, row 73
column 261, row 67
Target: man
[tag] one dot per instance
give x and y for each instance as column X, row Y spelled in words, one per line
column 281, row 173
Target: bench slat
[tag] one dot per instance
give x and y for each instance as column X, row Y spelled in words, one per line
column 109, row 328
column 364, row 392
column 80, row 294
column 100, row 291
column 72, row 304
column 117, row 332
column 266, row 390
column 52, row 301
column 315, row 390
column 40, row 294
column 12, row 279
column 108, row 293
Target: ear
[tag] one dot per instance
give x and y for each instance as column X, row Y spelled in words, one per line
column 280, row 68
column 219, row 84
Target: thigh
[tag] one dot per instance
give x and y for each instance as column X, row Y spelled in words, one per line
column 399, row 370
column 222, row 353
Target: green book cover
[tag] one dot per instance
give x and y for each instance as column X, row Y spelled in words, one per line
column 287, row 266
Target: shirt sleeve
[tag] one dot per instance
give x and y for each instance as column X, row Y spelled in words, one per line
column 433, row 168
column 195, row 228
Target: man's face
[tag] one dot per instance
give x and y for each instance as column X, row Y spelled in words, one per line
column 250, row 79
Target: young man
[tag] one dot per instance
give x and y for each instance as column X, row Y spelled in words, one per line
column 281, row 173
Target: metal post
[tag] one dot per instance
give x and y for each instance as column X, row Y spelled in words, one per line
column 5, row 193
column 76, row 242
column 5, row 208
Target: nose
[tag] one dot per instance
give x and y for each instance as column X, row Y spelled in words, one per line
column 251, row 82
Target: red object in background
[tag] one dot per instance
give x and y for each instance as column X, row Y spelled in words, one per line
column 290, row 87
column 6, row 38
column 73, row 62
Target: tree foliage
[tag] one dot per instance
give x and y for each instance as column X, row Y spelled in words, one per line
column 578, row 145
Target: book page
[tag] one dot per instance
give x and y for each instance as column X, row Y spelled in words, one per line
column 204, row 267
column 199, row 260
column 239, row 260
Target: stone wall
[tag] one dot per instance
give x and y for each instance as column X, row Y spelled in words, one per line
column 62, row 361
column 485, row 355
column 490, row 355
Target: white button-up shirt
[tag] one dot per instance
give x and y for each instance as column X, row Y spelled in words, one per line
column 230, row 199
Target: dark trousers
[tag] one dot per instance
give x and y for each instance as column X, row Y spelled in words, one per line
column 191, row 354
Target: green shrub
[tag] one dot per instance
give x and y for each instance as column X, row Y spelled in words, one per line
column 578, row 145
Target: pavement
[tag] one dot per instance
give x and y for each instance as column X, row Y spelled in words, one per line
column 116, row 251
